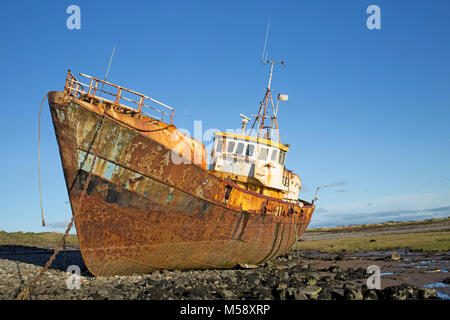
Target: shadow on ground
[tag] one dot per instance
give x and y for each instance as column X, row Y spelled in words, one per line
column 39, row 257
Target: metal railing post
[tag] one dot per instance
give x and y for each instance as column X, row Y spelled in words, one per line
column 141, row 102
column 67, row 81
column 119, row 91
column 90, row 86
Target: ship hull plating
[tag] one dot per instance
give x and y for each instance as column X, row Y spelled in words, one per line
column 142, row 211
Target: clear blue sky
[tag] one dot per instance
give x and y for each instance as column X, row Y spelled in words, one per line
column 368, row 109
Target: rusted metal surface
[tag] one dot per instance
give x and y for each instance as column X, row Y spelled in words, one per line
column 143, row 212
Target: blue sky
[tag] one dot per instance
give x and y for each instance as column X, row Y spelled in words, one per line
column 367, row 109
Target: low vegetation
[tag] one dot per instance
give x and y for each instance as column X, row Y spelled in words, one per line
column 423, row 241
column 388, row 224
column 43, row 239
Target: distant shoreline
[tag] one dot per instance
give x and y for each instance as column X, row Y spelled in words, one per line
column 424, row 235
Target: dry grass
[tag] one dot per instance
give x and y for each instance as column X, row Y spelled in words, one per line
column 393, row 224
column 44, row 239
column 424, row 241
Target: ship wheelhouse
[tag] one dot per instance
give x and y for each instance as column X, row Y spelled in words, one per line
column 255, row 164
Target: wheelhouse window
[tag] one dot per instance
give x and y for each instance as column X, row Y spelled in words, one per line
column 263, row 153
column 274, row 156
column 219, row 145
column 282, row 157
column 230, row 146
column 240, row 148
column 249, row 150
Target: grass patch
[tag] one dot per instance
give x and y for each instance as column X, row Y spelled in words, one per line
column 43, row 239
column 393, row 224
column 422, row 241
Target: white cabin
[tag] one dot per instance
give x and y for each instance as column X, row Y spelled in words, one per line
column 257, row 164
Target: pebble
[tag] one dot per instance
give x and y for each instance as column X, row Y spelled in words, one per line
column 395, row 256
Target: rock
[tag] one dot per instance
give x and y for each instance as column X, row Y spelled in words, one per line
column 395, row 256
column 272, row 281
column 281, row 267
column 197, row 292
column 283, row 275
column 312, row 291
column 180, row 291
column 327, row 279
column 426, row 293
column 299, row 294
column 256, row 282
column 401, row 292
column 228, row 293
column 280, row 294
column 311, row 281
column 353, row 294
column 340, row 276
column 335, row 269
column 313, row 275
column 336, row 295
column 157, row 294
column 325, row 294
column 304, row 266
column 103, row 292
column 349, row 285
column 282, row 286
column 446, row 281
column 60, row 291
column 261, row 294
column 370, row 294
column 180, row 281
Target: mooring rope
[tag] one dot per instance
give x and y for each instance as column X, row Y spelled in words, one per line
column 40, row 189
column 27, row 290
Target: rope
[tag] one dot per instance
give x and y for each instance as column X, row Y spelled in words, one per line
column 40, row 189
column 27, row 290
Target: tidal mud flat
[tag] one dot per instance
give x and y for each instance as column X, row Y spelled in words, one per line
column 299, row 275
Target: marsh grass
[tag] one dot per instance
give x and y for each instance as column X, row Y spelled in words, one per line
column 388, row 224
column 423, row 241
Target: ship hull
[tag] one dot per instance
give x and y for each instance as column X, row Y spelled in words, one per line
column 143, row 211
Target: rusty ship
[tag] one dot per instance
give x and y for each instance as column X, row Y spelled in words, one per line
column 144, row 198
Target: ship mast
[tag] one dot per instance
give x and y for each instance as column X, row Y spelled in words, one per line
column 264, row 113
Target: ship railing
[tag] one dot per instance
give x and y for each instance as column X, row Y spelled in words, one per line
column 116, row 95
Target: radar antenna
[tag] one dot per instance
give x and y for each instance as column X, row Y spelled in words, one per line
column 244, row 120
column 264, row 115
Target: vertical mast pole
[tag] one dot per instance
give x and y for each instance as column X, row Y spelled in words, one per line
column 265, row 100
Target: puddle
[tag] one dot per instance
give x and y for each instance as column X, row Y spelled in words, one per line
column 386, row 273
column 437, row 285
